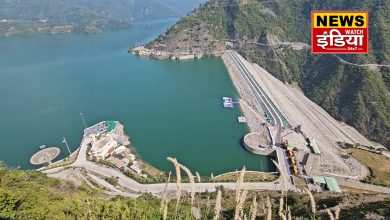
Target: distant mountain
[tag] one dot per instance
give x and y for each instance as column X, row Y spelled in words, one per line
column 183, row 6
column 356, row 93
column 18, row 17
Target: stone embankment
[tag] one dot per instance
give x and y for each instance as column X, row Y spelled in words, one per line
column 249, row 105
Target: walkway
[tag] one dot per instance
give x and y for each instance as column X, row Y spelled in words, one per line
column 362, row 186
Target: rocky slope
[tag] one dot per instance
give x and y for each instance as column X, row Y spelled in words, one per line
column 262, row 31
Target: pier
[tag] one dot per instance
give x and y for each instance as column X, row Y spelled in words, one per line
column 228, row 102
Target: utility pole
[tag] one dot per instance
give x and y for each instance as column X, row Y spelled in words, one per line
column 67, row 146
column 82, row 118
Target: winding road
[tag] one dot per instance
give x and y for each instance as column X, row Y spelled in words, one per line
column 136, row 188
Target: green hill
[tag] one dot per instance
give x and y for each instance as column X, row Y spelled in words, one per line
column 357, row 95
column 32, row 195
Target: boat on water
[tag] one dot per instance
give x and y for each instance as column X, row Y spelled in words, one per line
column 227, row 99
column 228, row 102
column 228, row 105
column 42, row 147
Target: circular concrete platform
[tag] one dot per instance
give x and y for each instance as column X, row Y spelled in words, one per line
column 45, row 156
column 257, row 143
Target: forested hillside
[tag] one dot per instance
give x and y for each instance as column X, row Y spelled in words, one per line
column 357, row 95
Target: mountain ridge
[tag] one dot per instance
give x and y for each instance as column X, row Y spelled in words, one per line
column 357, row 95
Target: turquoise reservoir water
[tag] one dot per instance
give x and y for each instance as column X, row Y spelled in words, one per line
column 169, row 108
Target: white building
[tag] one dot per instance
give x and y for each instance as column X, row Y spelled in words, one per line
column 120, row 149
column 135, row 169
column 126, row 161
column 131, row 157
column 104, row 147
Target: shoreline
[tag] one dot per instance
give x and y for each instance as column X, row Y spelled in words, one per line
column 132, row 188
column 129, row 183
column 251, row 111
column 143, row 51
column 119, row 129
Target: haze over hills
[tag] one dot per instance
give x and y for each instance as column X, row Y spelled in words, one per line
column 21, row 17
column 344, row 86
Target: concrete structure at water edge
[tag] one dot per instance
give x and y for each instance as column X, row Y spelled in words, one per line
column 258, row 143
column 45, row 156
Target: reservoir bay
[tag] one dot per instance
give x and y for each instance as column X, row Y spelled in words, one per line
column 169, row 108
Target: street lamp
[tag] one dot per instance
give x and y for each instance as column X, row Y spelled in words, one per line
column 67, row 146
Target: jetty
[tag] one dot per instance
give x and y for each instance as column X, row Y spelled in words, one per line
column 241, row 119
column 228, row 102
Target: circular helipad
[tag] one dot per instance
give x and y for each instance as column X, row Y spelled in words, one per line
column 45, row 156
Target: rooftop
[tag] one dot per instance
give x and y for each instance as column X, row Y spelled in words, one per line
column 314, row 146
column 111, row 125
column 101, row 143
column 319, row 179
column 118, row 163
column 94, row 129
column 135, row 169
column 332, row 184
column 106, row 144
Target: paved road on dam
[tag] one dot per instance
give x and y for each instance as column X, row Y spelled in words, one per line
column 262, row 98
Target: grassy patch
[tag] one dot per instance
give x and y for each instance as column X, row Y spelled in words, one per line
column 249, row 177
column 378, row 165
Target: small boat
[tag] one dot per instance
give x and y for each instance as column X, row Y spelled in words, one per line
column 42, row 147
column 227, row 99
column 228, row 105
